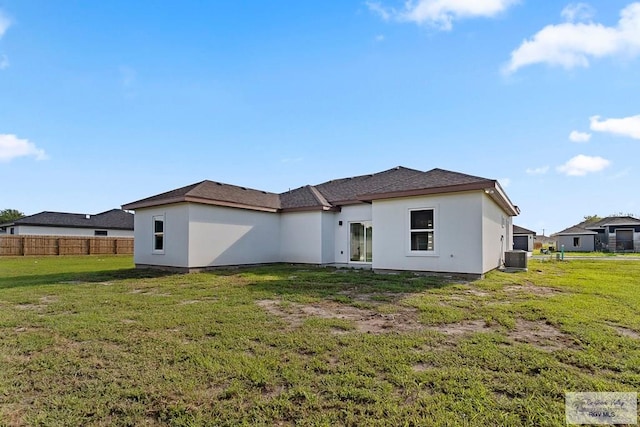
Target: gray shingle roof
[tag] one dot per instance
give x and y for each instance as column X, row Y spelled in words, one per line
column 112, row 219
column 214, row 192
column 521, row 230
column 324, row 196
column 588, row 227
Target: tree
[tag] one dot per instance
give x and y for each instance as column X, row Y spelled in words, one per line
column 8, row 215
column 592, row 218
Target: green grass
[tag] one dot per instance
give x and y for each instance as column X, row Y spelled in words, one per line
column 92, row 341
column 569, row 254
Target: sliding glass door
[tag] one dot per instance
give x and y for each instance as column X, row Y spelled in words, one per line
column 361, row 238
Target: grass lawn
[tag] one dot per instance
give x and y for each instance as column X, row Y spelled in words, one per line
column 91, row 341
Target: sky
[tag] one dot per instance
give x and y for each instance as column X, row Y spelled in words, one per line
column 105, row 103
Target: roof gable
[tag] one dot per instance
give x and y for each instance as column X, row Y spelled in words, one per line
column 521, row 230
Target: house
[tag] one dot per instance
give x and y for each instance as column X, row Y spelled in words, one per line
column 398, row 219
column 611, row 234
column 112, row 223
column 523, row 238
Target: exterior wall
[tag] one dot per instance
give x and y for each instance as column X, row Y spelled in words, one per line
column 35, row 230
column 176, row 236
column 328, row 237
column 301, row 237
column 587, row 243
column 227, row 236
column 497, row 229
column 348, row 214
column 458, row 239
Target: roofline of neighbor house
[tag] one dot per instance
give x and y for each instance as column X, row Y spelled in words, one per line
column 491, row 187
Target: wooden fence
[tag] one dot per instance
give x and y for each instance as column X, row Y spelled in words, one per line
column 65, row 245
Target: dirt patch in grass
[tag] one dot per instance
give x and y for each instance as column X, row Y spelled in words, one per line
column 540, row 335
column 626, row 332
column 465, row 327
column 537, row 334
column 364, row 320
column 530, row 288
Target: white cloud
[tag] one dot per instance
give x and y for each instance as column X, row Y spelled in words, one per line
column 4, row 62
column 576, row 136
column 627, row 126
column 5, row 23
column 380, row 37
column 505, row 182
column 441, row 13
column 572, row 44
column 379, row 10
column 11, row 147
column 538, row 171
column 581, row 165
column 577, row 12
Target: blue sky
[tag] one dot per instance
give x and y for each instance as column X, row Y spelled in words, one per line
column 104, row 103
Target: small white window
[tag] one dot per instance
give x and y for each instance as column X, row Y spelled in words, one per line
column 422, row 230
column 158, row 234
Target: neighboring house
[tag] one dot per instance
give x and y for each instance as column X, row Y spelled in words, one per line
column 113, row 223
column 612, row 234
column 399, row 219
column 523, row 238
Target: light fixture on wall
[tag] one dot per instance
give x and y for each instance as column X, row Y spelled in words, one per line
column 340, row 223
column 489, row 190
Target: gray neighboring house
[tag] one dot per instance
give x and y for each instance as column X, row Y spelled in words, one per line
column 523, row 238
column 112, row 223
column 611, row 234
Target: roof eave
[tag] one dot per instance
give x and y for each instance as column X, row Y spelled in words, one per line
column 311, row 209
column 199, row 200
column 490, row 187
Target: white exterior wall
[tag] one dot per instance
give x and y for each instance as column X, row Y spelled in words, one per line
column 349, row 213
column 176, row 236
column 458, row 234
column 497, row 229
column 328, row 237
column 36, row 230
column 229, row 236
column 301, row 237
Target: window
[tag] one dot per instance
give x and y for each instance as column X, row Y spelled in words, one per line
column 12, row 230
column 576, row 242
column 100, row 233
column 422, row 230
column 158, row 234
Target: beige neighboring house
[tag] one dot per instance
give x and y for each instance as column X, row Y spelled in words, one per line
column 112, row 223
column 398, row 219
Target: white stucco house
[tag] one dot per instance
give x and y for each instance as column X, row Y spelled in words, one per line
column 398, row 219
column 112, row 223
